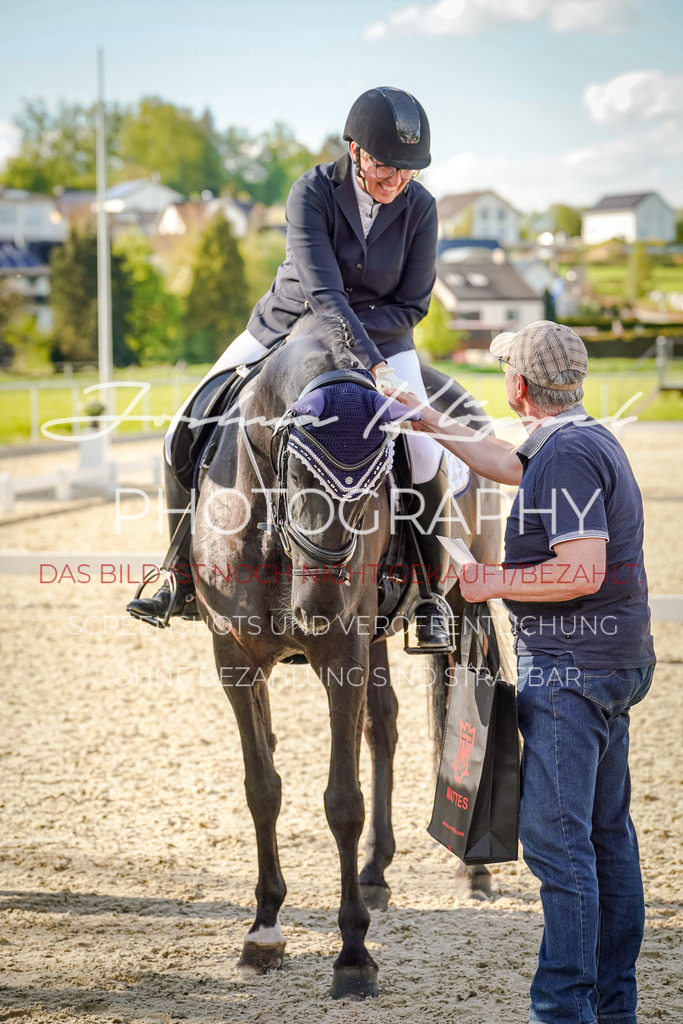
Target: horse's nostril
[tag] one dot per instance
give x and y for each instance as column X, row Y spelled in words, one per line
column 314, row 624
column 300, row 616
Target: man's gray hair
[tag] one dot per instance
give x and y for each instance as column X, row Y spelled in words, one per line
column 551, row 401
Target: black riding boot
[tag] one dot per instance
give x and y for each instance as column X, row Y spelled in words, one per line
column 176, row 596
column 432, row 618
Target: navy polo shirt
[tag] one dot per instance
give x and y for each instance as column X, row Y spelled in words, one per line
column 577, row 483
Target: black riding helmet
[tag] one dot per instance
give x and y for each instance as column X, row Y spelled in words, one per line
column 391, row 126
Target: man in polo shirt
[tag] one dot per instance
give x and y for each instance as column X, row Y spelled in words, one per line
column 574, row 585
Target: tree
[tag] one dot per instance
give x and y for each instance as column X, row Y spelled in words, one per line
column 433, row 336
column 639, row 271
column 462, row 225
column 264, row 167
column 189, row 154
column 57, row 150
column 333, row 148
column 73, row 286
column 160, row 137
column 153, row 321
column 262, row 252
column 565, row 219
column 217, row 304
column 11, row 303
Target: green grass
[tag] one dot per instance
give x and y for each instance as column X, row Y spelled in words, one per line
column 605, row 393
column 612, row 279
column 56, row 402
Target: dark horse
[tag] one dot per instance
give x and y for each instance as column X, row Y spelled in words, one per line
column 292, row 572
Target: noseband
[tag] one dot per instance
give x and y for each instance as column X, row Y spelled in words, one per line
column 278, row 519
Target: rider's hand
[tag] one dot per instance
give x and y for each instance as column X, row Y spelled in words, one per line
column 387, row 378
column 406, row 395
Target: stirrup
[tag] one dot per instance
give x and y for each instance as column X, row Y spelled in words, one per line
column 161, row 622
column 409, row 615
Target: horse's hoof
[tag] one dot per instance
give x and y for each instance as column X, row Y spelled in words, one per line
column 260, row 957
column 354, row 983
column 475, row 885
column 375, row 897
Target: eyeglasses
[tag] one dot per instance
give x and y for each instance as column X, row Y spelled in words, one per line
column 503, row 363
column 383, row 171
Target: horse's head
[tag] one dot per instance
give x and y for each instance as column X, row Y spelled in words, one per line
column 334, row 457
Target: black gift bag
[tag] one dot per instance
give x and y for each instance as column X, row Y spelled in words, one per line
column 476, row 804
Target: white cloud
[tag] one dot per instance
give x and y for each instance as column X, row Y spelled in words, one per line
column 646, row 159
column 636, row 96
column 9, row 141
column 644, row 108
column 605, row 17
column 472, row 17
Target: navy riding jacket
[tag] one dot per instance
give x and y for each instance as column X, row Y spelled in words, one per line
column 381, row 285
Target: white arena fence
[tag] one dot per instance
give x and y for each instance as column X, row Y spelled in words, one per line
column 35, row 394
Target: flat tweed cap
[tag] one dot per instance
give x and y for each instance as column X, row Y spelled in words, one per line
column 542, row 351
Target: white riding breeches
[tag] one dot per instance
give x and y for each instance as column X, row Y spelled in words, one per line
column 244, row 349
column 424, row 452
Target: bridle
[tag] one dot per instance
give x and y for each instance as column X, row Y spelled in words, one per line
column 278, row 510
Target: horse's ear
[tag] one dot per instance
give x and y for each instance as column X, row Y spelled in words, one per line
column 389, row 409
column 309, row 405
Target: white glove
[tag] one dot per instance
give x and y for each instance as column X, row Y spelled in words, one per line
column 386, row 377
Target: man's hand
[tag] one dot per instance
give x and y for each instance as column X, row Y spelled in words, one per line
column 578, row 569
column 475, row 585
column 406, row 395
column 489, row 456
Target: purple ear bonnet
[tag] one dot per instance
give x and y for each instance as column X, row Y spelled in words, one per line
column 346, row 447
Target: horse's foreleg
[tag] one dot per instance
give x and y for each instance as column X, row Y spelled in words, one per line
column 381, row 734
column 264, row 944
column 355, row 972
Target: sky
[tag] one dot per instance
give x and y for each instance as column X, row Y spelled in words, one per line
column 541, row 100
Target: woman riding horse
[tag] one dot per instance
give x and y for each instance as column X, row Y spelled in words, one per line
column 361, row 244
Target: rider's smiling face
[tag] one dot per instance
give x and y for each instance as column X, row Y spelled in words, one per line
column 382, row 187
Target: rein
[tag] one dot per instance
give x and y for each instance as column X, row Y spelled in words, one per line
column 289, row 534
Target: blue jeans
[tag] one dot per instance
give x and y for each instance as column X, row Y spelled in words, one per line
column 578, row 837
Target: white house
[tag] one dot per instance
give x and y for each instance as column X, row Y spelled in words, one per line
column 478, row 215
column 640, row 217
column 28, row 219
column 536, row 273
column 139, row 203
column 26, row 274
column 30, row 226
column 142, row 195
column 485, row 295
column 177, row 218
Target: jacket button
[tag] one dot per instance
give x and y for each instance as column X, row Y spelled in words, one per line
column 359, row 266
column 372, row 305
column 349, row 290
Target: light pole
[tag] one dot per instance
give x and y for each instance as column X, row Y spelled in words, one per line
column 94, row 448
column 104, row 331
